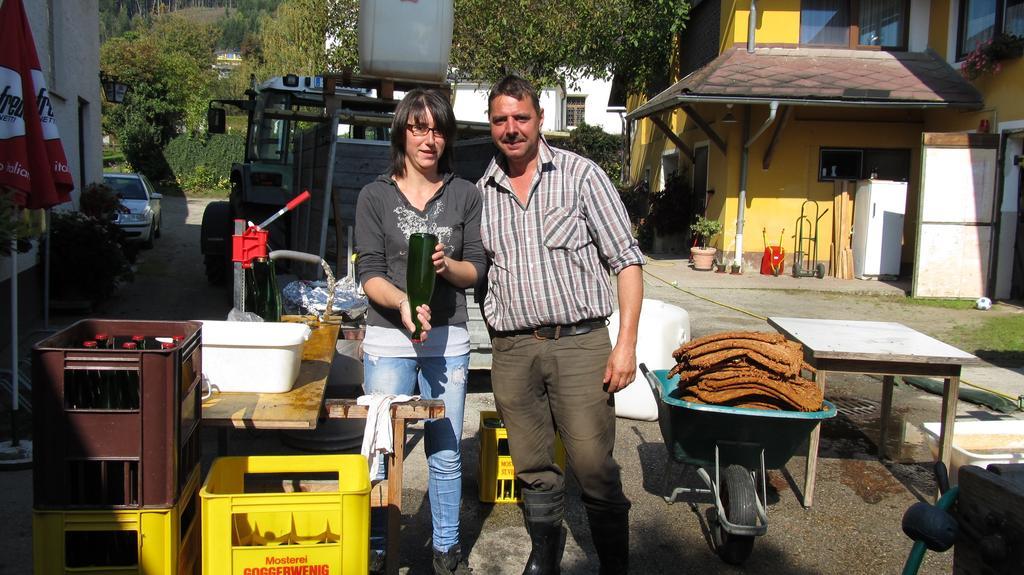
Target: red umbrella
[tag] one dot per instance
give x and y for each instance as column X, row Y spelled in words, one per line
column 32, row 160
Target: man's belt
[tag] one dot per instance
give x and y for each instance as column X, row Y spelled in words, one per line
column 557, row 331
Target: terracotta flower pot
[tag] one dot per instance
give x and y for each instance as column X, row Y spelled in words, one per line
column 703, row 258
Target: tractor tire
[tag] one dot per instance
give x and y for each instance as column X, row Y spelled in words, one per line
column 215, row 241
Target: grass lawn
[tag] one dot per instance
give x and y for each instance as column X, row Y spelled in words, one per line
column 998, row 338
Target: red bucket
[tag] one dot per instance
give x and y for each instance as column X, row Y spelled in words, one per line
column 772, row 261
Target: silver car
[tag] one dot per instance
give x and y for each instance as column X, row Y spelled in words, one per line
column 140, row 217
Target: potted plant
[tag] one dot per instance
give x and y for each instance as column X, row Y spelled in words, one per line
column 704, row 256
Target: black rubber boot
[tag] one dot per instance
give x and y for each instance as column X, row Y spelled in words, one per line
column 450, row 562
column 610, row 533
column 544, row 510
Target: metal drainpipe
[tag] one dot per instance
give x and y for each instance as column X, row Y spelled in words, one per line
column 751, row 26
column 773, row 109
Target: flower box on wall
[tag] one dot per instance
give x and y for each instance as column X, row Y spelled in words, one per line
column 987, row 57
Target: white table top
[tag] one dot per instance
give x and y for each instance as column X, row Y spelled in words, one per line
column 868, row 340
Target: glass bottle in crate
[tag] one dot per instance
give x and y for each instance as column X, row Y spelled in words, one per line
column 78, row 385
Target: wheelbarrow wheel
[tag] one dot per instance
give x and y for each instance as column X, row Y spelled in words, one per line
column 739, row 499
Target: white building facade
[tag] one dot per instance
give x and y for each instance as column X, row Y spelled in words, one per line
column 564, row 109
column 67, row 37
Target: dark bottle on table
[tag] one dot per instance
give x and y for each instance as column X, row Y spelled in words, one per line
column 420, row 275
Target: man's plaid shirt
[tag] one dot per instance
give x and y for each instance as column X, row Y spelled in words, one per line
column 550, row 259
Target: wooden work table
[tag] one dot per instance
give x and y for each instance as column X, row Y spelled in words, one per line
column 877, row 348
column 304, row 405
column 295, row 409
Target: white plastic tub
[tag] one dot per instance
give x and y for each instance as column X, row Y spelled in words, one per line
column 663, row 327
column 252, row 356
column 980, row 443
column 406, row 40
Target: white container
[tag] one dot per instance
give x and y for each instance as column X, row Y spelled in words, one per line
column 980, row 443
column 252, row 356
column 663, row 328
column 399, row 39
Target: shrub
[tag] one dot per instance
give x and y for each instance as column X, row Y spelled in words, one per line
column 86, row 259
column 16, row 224
column 595, row 144
column 671, row 208
column 204, row 162
column 99, row 201
column 203, row 179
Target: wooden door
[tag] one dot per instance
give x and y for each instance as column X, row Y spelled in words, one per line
column 957, row 213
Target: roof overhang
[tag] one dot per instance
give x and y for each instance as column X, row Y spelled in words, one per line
column 818, row 77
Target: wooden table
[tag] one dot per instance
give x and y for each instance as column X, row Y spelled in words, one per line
column 302, row 407
column 878, row 348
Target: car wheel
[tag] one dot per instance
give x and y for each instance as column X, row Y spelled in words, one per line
column 159, row 228
column 148, row 244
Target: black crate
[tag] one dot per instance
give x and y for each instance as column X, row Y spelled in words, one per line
column 116, row 428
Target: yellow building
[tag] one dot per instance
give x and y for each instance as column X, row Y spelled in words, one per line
column 776, row 114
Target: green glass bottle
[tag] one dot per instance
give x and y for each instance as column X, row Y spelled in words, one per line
column 420, row 275
column 268, row 298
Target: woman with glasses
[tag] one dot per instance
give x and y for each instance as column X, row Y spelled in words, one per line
column 420, row 194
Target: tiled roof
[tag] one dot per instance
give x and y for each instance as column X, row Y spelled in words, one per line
column 821, row 76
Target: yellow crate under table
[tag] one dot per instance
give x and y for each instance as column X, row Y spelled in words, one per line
column 320, row 533
column 147, row 541
column 496, row 474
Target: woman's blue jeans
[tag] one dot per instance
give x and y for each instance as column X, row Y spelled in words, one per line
column 443, row 378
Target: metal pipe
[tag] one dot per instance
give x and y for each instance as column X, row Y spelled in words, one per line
column 773, row 109
column 14, row 337
column 744, row 163
column 751, row 26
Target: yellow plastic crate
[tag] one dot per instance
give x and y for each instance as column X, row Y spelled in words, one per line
column 147, row 541
column 321, row 532
column 496, row 475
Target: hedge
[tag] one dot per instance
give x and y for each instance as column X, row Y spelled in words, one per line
column 216, row 152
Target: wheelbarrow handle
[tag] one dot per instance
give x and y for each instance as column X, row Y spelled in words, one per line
column 652, row 380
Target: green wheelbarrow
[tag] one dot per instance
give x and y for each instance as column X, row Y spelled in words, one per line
column 730, row 448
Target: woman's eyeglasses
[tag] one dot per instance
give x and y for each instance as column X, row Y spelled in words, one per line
column 420, row 131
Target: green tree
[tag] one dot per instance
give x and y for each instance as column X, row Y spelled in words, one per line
column 294, row 39
column 642, row 41
column 168, row 70
column 556, row 41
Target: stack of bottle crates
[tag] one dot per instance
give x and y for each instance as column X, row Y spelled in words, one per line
column 117, row 409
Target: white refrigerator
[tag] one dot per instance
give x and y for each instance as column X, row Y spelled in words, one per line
column 878, row 212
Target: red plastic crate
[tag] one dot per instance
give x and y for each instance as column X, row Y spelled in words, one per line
column 115, row 428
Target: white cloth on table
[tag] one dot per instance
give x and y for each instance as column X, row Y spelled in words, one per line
column 377, row 436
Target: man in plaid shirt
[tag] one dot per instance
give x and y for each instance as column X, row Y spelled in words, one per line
column 553, row 226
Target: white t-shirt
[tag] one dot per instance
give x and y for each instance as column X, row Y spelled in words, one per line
column 442, row 341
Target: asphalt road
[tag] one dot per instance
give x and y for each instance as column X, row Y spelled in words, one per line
column 853, row 527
